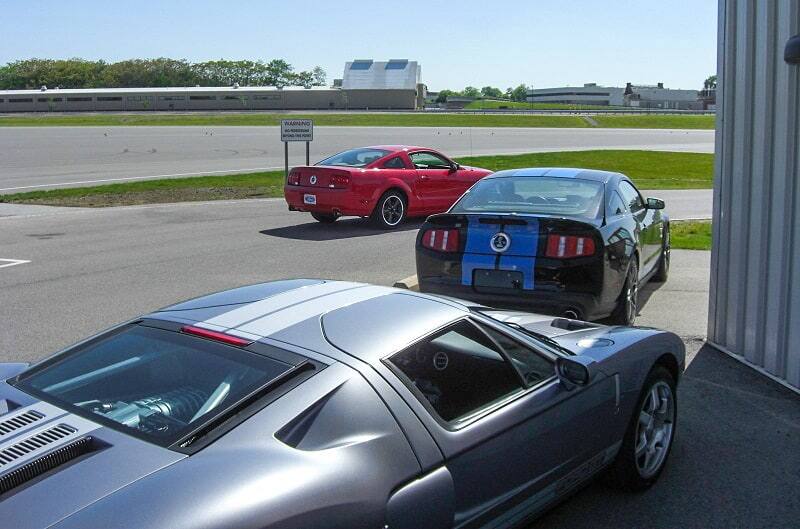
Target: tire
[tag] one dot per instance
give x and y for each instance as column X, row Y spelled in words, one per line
column 650, row 434
column 324, row 218
column 628, row 301
column 662, row 272
column 390, row 211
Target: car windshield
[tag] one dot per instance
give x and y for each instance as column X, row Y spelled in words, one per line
column 156, row 384
column 532, row 194
column 355, row 157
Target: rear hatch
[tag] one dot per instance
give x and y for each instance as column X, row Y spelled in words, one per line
column 319, row 176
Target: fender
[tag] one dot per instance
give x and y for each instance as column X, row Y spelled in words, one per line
column 428, row 501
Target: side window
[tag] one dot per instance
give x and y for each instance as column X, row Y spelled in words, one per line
column 394, row 163
column 534, row 367
column 616, row 205
column 631, row 197
column 457, row 372
column 428, row 160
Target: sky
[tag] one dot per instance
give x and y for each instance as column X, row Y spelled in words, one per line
column 541, row 43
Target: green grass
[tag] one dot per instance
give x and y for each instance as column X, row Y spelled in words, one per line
column 649, row 169
column 418, row 119
column 521, row 105
column 690, row 235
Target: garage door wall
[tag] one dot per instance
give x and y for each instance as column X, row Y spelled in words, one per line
column 754, row 310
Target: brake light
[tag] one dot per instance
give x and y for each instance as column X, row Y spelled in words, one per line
column 294, row 179
column 567, row 246
column 441, row 240
column 216, row 336
column 339, row 181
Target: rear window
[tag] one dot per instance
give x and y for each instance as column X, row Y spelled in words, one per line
column 355, row 157
column 543, row 195
column 156, row 384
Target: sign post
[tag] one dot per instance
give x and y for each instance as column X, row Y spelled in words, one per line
column 296, row 130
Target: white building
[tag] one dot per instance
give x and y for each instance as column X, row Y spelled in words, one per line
column 395, row 74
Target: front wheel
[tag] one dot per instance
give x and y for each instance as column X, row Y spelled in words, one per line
column 390, row 210
column 324, row 218
column 628, row 301
column 663, row 264
column 649, row 436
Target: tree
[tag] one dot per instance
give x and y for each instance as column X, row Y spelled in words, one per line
column 489, row 91
column 279, row 73
column 443, row 95
column 520, row 93
column 319, row 76
column 710, row 83
column 472, row 92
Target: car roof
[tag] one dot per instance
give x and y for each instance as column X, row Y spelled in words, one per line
column 561, row 172
column 398, row 148
column 365, row 321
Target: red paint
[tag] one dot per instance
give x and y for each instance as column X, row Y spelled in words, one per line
column 355, row 191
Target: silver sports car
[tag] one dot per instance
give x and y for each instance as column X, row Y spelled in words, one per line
column 309, row 403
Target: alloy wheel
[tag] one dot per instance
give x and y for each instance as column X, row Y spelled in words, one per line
column 392, row 210
column 654, row 429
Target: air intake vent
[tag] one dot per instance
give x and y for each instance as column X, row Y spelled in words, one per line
column 20, row 421
column 45, row 463
column 35, row 442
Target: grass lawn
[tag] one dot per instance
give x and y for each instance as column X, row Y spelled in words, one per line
column 649, row 169
column 418, row 119
column 690, row 235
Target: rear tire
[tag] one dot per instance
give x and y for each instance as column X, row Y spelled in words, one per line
column 628, row 301
column 662, row 273
column 390, row 211
column 324, row 218
column 648, row 439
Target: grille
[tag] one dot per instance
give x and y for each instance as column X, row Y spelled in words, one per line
column 35, row 442
column 20, row 421
column 47, row 462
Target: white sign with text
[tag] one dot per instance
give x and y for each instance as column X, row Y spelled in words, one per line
column 297, row 130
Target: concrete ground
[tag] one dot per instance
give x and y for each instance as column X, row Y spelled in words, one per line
column 735, row 461
column 42, row 157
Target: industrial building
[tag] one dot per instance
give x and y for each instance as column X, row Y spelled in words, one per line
column 754, row 306
column 390, row 85
column 658, row 97
column 636, row 96
column 588, row 94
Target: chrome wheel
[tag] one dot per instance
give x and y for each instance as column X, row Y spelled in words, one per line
column 631, row 297
column 654, row 429
column 392, row 210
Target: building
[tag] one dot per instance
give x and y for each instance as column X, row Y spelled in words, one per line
column 656, row 96
column 588, row 94
column 754, row 305
column 392, row 85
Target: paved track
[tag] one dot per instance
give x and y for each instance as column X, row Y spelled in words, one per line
column 41, row 157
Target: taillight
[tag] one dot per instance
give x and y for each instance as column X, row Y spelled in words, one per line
column 441, row 240
column 216, row 336
column 567, row 246
column 294, row 179
column 339, row 181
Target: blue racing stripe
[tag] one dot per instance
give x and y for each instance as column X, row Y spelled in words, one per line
column 477, row 251
column 520, row 264
column 520, row 256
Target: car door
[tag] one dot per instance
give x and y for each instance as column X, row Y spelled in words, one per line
column 438, row 189
column 512, row 435
column 649, row 227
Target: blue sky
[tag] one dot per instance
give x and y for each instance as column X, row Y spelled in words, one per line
column 536, row 42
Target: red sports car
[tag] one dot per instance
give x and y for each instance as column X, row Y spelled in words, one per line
column 385, row 182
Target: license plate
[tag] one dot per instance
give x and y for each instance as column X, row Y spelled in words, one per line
column 497, row 279
column 310, row 199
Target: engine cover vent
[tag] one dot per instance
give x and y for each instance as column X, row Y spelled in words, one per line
column 20, row 421
column 47, row 462
column 33, row 443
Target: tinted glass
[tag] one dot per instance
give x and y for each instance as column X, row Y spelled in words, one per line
column 533, row 366
column 617, row 206
column 394, row 163
column 534, row 194
column 355, row 157
column 157, row 384
column 457, row 371
column 427, row 160
column 631, row 196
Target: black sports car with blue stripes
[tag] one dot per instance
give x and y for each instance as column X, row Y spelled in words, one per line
column 573, row 242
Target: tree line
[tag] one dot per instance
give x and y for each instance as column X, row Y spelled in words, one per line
column 487, row 92
column 155, row 73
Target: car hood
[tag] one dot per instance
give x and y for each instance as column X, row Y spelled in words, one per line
column 54, row 463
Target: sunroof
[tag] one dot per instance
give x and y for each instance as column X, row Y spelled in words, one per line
column 396, row 65
column 361, row 65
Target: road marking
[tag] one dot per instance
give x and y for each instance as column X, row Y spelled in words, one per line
column 204, row 173
column 5, row 263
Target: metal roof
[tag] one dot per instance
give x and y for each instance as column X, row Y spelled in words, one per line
column 367, row 74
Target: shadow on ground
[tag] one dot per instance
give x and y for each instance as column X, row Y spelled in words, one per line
column 735, row 461
column 341, row 229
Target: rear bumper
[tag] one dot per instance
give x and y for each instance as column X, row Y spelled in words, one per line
column 330, row 201
column 576, row 288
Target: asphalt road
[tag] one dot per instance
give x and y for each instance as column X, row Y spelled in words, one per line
column 42, row 157
column 735, row 461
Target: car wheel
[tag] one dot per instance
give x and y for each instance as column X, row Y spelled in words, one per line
column 324, row 218
column 390, row 210
column 648, row 439
column 663, row 265
column 628, row 301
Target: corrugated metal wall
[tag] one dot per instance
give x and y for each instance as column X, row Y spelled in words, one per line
column 754, row 309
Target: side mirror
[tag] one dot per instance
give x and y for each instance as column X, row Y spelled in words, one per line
column 655, row 203
column 575, row 371
column 454, row 167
